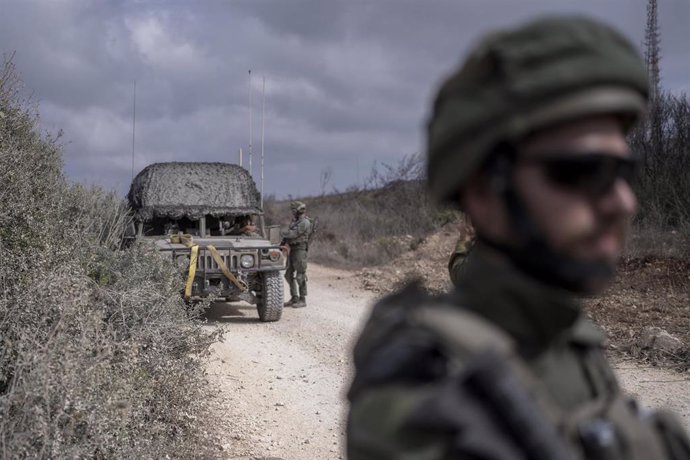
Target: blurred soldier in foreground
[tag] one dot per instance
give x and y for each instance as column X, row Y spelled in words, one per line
column 297, row 238
column 528, row 138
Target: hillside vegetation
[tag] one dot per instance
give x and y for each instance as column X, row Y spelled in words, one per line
column 393, row 213
column 99, row 357
column 373, row 224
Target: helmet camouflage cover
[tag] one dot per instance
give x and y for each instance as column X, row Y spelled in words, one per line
column 515, row 82
column 298, row 206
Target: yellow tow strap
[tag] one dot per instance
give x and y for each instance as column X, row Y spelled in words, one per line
column 241, row 285
column 193, row 257
column 187, row 240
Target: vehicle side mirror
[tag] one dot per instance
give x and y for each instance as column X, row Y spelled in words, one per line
column 274, row 234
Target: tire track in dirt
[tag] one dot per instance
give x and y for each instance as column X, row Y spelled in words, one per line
column 283, row 384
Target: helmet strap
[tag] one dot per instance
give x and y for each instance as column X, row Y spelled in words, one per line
column 531, row 252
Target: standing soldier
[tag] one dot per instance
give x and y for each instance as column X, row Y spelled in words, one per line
column 528, row 138
column 297, row 238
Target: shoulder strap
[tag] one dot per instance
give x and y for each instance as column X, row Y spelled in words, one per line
column 465, row 335
column 462, row 331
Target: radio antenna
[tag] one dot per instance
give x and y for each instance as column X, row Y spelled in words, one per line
column 251, row 173
column 134, row 122
column 263, row 126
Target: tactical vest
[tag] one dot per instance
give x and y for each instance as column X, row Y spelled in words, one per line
column 609, row 427
column 303, row 239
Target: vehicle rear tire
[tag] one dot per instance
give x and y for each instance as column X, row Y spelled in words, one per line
column 270, row 305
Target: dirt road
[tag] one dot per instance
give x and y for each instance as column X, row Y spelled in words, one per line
column 282, row 385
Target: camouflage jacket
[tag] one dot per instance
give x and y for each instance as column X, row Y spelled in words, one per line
column 298, row 232
column 415, row 393
column 456, row 262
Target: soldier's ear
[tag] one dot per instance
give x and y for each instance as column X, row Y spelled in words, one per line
column 481, row 202
column 477, row 189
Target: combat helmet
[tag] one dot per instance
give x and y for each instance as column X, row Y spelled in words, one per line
column 298, row 206
column 516, row 82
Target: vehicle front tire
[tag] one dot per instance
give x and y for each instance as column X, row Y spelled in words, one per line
column 270, row 305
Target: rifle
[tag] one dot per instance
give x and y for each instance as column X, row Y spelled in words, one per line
column 314, row 226
column 489, row 378
column 488, row 413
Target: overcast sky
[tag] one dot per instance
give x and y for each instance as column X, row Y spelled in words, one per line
column 347, row 82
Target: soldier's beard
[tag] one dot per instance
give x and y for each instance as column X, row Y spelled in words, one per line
column 580, row 276
column 604, row 243
column 532, row 253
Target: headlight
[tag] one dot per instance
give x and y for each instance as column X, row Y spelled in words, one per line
column 274, row 255
column 247, row 261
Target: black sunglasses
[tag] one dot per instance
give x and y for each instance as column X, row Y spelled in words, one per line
column 593, row 173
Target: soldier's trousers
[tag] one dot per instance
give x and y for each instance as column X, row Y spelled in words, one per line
column 296, row 273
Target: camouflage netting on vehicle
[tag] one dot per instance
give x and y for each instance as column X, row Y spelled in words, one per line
column 177, row 189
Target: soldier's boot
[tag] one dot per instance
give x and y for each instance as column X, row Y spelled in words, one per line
column 292, row 302
column 301, row 302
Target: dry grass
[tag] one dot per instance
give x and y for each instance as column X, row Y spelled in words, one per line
column 372, row 225
column 649, row 291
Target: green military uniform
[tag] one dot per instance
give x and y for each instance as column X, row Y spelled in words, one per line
column 297, row 237
column 507, row 367
column 410, row 398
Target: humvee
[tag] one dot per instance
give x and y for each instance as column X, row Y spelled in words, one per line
column 208, row 217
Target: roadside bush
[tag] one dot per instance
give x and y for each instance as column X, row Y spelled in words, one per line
column 99, row 357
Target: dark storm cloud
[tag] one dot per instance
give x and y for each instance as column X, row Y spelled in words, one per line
column 347, row 82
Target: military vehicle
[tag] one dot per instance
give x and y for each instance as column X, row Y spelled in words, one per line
column 208, row 217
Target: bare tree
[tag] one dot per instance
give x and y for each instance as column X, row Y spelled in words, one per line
column 325, row 178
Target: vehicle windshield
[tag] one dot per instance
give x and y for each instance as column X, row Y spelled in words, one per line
column 240, row 226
